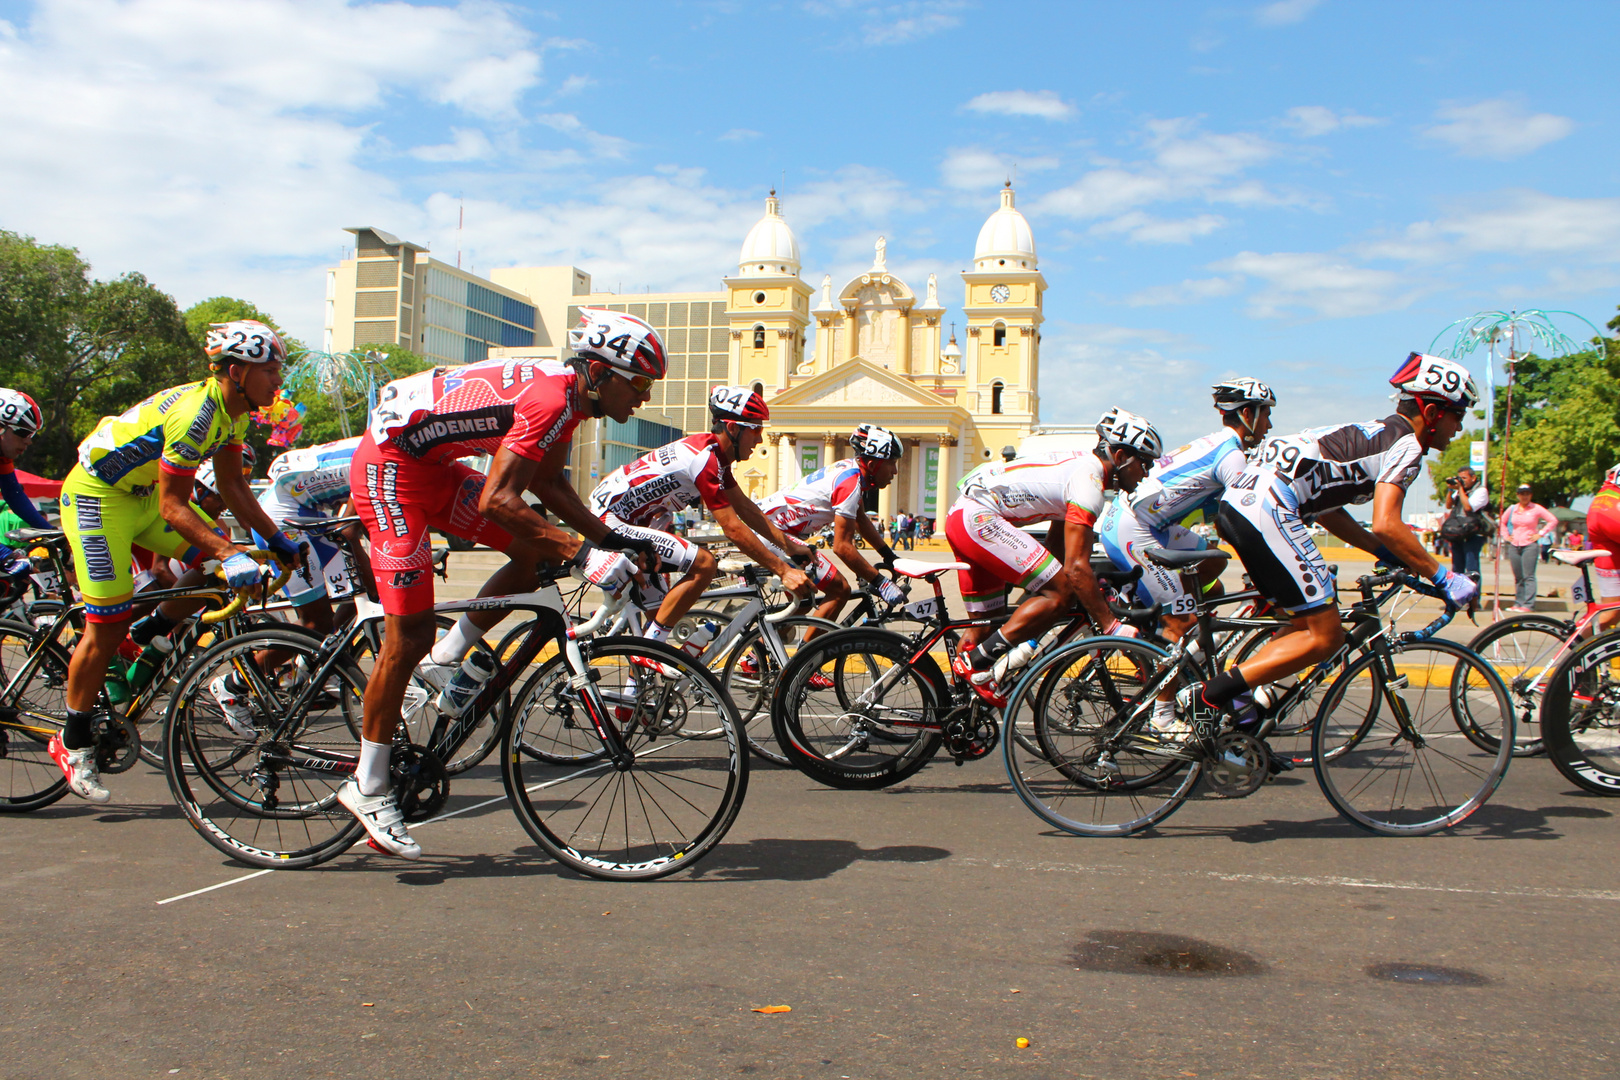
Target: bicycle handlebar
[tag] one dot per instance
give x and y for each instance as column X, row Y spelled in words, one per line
column 611, row 606
column 240, row 600
column 1411, row 581
column 798, row 607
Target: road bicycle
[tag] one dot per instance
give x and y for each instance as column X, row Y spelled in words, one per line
column 1412, row 735
column 1528, row 649
column 33, row 691
column 598, row 755
column 865, row 707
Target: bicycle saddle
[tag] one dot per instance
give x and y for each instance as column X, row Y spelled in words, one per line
column 1571, row 558
column 1178, row 559
column 34, row 536
column 916, row 568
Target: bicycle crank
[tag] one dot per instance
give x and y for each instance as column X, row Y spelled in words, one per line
column 1238, row 766
column 118, row 744
column 970, row 737
column 421, row 781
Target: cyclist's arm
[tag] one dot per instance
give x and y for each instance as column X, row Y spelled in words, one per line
column 1077, row 541
column 20, row 503
column 174, row 503
column 749, row 514
column 238, row 496
column 511, row 474
column 1388, row 529
column 843, row 545
column 738, row 530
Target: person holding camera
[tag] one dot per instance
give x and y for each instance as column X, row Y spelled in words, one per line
column 1467, row 523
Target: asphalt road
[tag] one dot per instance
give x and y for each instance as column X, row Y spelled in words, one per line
column 917, row 931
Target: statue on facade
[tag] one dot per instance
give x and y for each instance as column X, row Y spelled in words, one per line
column 826, row 291
column 933, row 291
column 880, row 262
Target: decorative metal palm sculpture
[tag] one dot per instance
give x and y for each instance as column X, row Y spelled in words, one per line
column 345, row 377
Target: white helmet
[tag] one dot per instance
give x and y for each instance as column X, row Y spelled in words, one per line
column 1119, row 429
column 245, row 341
column 205, row 475
column 19, row 412
column 1436, row 379
column 1242, row 392
column 621, row 341
column 1613, row 475
column 880, row 444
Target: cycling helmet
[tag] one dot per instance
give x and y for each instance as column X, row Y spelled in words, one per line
column 1436, row 379
column 623, row 342
column 1613, row 475
column 1119, row 429
column 738, row 405
column 19, row 413
column 245, row 341
column 205, row 475
column 1239, row 393
column 871, row 441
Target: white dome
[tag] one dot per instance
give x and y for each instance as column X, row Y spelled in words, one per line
column 771, row 248
column 1006, row 237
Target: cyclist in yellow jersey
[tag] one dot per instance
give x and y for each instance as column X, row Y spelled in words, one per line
column 133, row 485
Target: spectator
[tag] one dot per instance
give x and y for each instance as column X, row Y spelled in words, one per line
column 908, row 525
column 1522, row 527
column 1546, row 545
column 1467, row 522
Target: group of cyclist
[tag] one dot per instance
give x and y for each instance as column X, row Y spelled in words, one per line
column 137, row 476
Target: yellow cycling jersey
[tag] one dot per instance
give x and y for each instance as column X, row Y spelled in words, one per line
column 174, row 430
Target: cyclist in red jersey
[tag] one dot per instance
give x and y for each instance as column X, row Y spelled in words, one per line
column 1603, row 531
column 405, row 479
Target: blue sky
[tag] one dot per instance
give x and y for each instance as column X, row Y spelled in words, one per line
column 1300, row 191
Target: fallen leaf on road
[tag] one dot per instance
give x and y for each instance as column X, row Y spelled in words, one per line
column 774, row 1008
column 365, row 1004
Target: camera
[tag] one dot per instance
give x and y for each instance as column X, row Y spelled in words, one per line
column 1452, row 481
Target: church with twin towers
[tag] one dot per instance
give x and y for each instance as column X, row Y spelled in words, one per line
column 826, row 357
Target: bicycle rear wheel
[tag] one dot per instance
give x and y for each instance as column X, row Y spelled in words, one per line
column 750, row 673
column 1390, row 748
column 852, row 712
column 1522, row 650
column 29, row 779
column 249, row 797
column 675, row 801
column 1580, row 716
column 1094, row 775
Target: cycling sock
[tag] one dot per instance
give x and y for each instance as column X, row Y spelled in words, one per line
column 144, row 630
column 1219, row 691
column 372, row 772
column 989, row 651
column 76, row 730
column 456, row 642
column 656, row 631
column 1164, row 712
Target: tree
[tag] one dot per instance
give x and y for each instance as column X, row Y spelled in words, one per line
column 83, row 349
column 321, row 423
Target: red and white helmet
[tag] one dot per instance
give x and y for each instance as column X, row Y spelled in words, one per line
column 1437, row 379
column 1613, row 475
column 19, row 412
column 880, row 444
column 245, row 341
column 623, row 342
column 738, row 405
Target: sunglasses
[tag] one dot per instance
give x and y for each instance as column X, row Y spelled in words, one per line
column 641, row 383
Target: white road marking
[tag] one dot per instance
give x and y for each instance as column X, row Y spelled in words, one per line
column 220, row 885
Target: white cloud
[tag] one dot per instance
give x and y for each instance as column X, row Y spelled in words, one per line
column 1499, row 128
column 1045, row 104
column 1518, row 222
column 1316, row 283
column 1190, row 291
column 607, row 146
column 1087, row 368
column 892, row 23
column 573, row 85
column 467, row 144
column 1310, row 121
column 739, row 135
column 970, row 168
column 1145, row 229
column 1284, row 12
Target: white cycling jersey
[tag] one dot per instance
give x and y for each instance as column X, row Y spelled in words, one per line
column 649, row 490
column 809, row 506
column 311, row 481
column 1186, row 484
column 1325, row 468
column 1066, row 486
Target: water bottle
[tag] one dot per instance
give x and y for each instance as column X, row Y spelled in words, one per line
column 699, row 639
column 118, row 692
column 148, row 662
column 464, row 685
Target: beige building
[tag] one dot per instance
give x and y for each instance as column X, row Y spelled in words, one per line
column 879, row 354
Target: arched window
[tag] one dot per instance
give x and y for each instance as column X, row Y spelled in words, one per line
column 759, row 388
column 1001, row 335
column 759, row 337
column 995, row 396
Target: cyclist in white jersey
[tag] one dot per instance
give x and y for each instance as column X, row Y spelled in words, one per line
column 1185, row 490
column 836, row 496
column 983, row 530
column 313, row 482
column 641, row 499
column 1316, row 474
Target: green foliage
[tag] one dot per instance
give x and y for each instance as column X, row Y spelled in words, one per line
column 321, row 421
column 81, row 348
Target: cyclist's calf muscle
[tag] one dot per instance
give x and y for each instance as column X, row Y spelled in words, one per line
column 1316, row 635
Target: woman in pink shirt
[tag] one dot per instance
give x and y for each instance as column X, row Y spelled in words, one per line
column 1522, row 526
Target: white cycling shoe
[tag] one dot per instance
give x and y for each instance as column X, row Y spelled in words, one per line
column 381, row 816
column 234, row 707
column 79, row 766
column 435, row 675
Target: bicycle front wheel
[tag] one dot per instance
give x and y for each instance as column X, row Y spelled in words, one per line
column 675, row 800
column 1096, row 773
column 750, row 672
column 32, row 713
column 1524, row 650
column 1390, row 747
column 1580, row 716
column 254, row 778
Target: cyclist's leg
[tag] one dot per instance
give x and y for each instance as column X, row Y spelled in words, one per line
column 695, row 564
column 976, row 535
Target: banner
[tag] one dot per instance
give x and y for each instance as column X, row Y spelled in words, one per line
column 930, row 506
column 809, row 458
column 1476, row 456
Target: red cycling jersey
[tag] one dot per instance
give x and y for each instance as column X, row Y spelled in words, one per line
column 439, row 415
